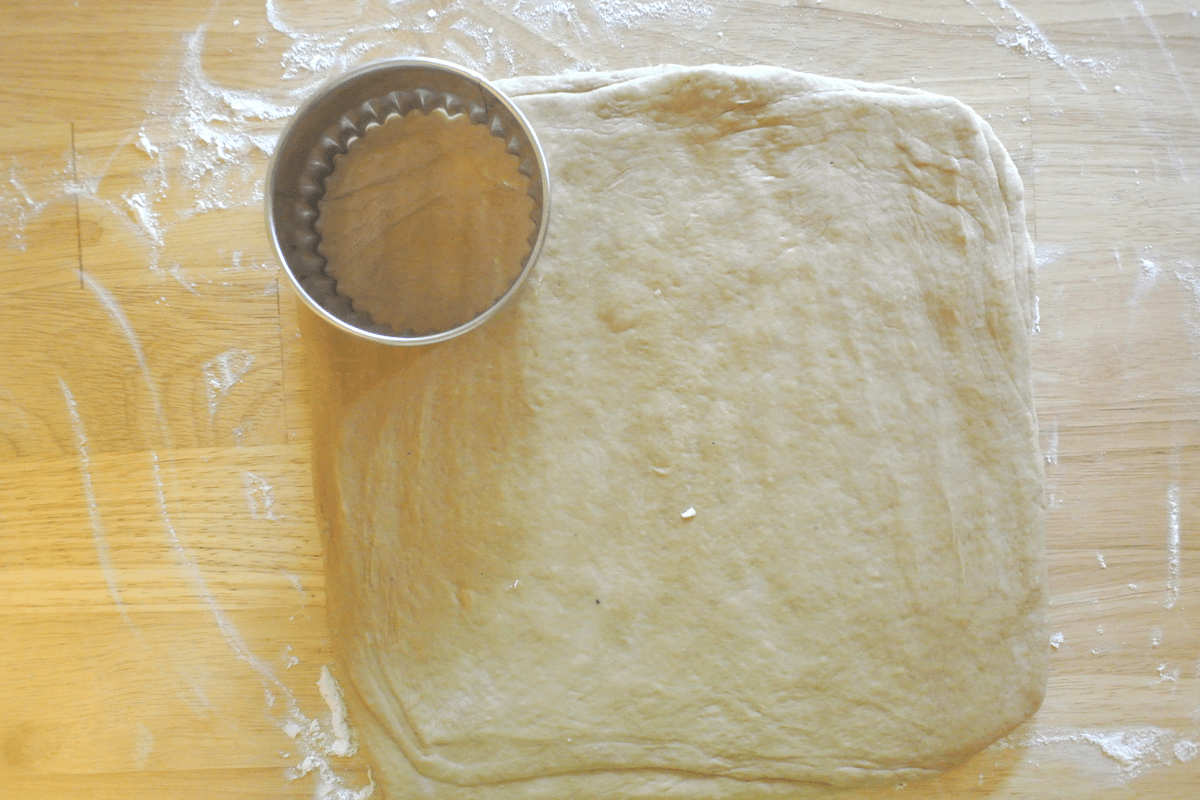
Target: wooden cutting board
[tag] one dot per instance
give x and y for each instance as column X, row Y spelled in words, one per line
column 161, row 588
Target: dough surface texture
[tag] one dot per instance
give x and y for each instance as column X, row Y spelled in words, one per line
column 798, row 306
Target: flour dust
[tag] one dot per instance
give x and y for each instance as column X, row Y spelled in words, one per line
column 1127, row 752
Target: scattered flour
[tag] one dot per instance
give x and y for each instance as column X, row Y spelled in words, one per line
column 630, row 13
column 1132, row 751
column 1051, row 454
column 485, row 49
column 141, row 206
column 318, row 744
column 224, row 372
column 309, row 53
column 291, row 660
column 1045, row 255
column 1165, row 51
column 1187, row 274
column 145, row 145
column 343, row 737
column 545, row 17
column 17, row 208
column 1173, row 551
column 299, row 587
column 177, row 272
column 313, row 741
column 217, row 139
column 259, row 498
column 1027, row 38
column 1184, row 270
column 220, row 138
column 1148, row 272
column 89, row 495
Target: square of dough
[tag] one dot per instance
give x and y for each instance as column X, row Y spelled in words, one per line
column 742, row 495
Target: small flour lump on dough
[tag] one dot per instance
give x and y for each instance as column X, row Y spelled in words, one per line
column 424, row 221
column 799, row 306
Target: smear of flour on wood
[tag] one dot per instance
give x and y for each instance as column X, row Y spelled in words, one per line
column 339, row 741
column 307, row 733
column 299, row 587
column 216, row 132
column 1166, row 53
column 216, row 140
column 1027, row 38
column 259, row 497
column 482, row 38
column 314, row 56
column 144, row 144
column 177, row 272
column 1132, row 751
column 630, row 13
column 1167, row 673
column 1148, row 273
column 224, row 372
column 291, row 660
column 17, row 208
column 343, row 737
column 1173, row 553
column 1051, row 455
column 143, row 746
column 89, row 495
column 1045, row 255
column 308, row 53
column 1186, row 273
column 542, row 17
column 314, row 742
column 117, row 314
column 141, row 206
column 547, row 18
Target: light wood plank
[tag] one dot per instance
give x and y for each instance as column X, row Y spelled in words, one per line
column 165, row 337
column 39, row 245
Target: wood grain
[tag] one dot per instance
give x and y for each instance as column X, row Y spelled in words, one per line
column 161, row 582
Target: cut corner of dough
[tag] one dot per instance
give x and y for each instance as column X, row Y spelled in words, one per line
column 742, row 498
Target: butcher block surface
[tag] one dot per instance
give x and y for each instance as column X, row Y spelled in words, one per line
column 162, row 626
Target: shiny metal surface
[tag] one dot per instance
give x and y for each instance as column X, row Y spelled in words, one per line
column 341, row 112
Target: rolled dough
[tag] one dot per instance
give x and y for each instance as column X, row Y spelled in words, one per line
column 742, row 496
